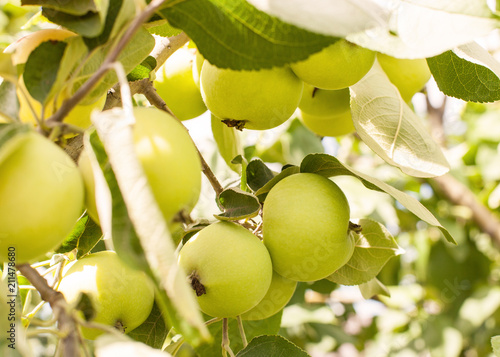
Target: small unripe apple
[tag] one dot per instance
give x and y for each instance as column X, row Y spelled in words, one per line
column 408, row 75
column 257, row 100
column 177, row 87
column 41, row 194
column 305, row 227
column 228, row 267
column 337, row 66
column 121, row 296
column 169, row 159
column 278, row 295
column 85, row 167
column 198, row 63
column 333, row 125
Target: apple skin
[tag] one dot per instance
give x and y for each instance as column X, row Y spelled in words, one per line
column 198, row 63
column 257, row 100
column 177, row 87
column 408, row 75
column 231, row 264
column 41, row 194
column 169, row 159
column 333, row 125
column 278, row 295
column 305, row 227
column 121, row 296
column 337, row 66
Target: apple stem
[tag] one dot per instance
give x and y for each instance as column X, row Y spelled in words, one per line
column 225, row 339
column 356, row 228
column 242, row 331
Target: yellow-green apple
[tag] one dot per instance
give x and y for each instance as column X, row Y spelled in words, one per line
column 228, row 267
column 41, row 194
column 169, row 159
column 278, row 295
column 337, row 66
column 177, row 87
column 408, row 75
column 258, row 100
column 305, row 227
column 121, row 296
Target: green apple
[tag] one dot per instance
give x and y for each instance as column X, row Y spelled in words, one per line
column 198, row 63
column 257, row 100
column 408, row 75
column 337, row 66
column 41, row 194
column 85, row 167
column 177, row 87
column 121, row 296
column 333, row 125
column 228, row 267
column 305, row 227
column 321, row 102
column 278, row 295
column 169, row 158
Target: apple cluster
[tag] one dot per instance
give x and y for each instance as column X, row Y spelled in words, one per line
column 305, row 238
column 264, row 99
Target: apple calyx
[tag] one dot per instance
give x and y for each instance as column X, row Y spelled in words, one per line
column 119, row 326
column 232, row 123
column 196, row 284
column 356, row 228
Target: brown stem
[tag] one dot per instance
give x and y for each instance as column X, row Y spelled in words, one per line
column 460, row 194
column 158, row 102
column 66, row 324
column 69, row 104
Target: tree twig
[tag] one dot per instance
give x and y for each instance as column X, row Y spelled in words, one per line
column 67, row 325
column 69, row 104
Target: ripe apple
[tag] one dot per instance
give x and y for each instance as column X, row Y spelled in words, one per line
column 121, row 296
column 228, row 267
column 177, row 87
column 337, row 66
column 333, row 125
column 257, row 100
column 41, row 194
column 408, row 75
column 305, row 227
column 169, row 158
column 278, row 295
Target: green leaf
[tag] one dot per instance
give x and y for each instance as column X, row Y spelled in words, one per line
column 237, row 204
column 234, row 34
column 458, row 77
column 153, row 331
column 372, row 288
column 162, row 28
column 174, row 296
column 411, row 30
column 264, row 190
column 335, row 18
column 9, row 105
column 75, row 7
column 7, row 69
column 391, row 129
column 252, row 329
column 143, row 70
column 329, row 166
column 495, row 344
column 85, row 235
column 228, row 142
column 41, row 68
column 89, row 23
column 374, row 246
column 119, row 13
column 271, row 346
column 258, row 174
column 134, row 53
